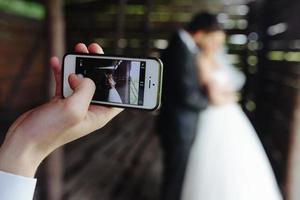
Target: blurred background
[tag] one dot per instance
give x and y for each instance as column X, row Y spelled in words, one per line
column 123, row 160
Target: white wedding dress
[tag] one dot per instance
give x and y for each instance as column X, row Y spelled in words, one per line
column 227, row 160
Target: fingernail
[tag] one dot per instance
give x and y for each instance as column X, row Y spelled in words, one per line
column 80, row 76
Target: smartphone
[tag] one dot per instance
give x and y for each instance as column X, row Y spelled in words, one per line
column 120, row 81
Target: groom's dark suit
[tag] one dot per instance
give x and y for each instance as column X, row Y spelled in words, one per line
column 182, row 101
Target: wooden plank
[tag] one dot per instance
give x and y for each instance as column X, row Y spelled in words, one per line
column 56, row 35
column 118, row 162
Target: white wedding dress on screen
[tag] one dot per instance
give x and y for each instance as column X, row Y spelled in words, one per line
column 113, row 96
column 227, row 160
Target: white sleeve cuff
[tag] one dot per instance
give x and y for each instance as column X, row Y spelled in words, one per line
column 14, row 187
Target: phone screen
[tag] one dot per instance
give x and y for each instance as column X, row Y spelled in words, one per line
column 117, row 81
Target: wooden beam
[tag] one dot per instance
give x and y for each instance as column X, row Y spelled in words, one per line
column 147, row 27
column 56, row 38
column 120, row 32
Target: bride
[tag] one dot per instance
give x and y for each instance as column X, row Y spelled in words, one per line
column 227, row 160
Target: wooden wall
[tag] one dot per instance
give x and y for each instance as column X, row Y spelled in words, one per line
column 120, row 162
column 23, row 71
column 278, row 86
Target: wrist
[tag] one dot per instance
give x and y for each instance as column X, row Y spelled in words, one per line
column 19, row 157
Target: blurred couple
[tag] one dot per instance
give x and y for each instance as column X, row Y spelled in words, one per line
column 211, row 151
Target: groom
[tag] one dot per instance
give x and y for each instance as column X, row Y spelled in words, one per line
column 182, row 101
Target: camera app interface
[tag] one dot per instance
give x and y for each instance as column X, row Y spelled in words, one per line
column 117, row 81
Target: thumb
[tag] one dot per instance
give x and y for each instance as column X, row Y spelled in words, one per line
column 83, row 91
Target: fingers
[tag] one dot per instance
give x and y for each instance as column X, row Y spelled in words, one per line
column 84, row 89
column 95, row 48
column 92, row 48
column 56, row 68
column 81, row 48
column 74, row 80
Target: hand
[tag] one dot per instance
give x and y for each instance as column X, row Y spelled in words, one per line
column 38, row 132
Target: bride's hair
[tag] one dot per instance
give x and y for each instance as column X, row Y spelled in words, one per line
column 204, row 21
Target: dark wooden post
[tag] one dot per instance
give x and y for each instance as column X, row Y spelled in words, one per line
column 293, row 179
column 293, row 173
column 120, row 27
column 278, row 92
column 56, row 34
column 147, row 27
